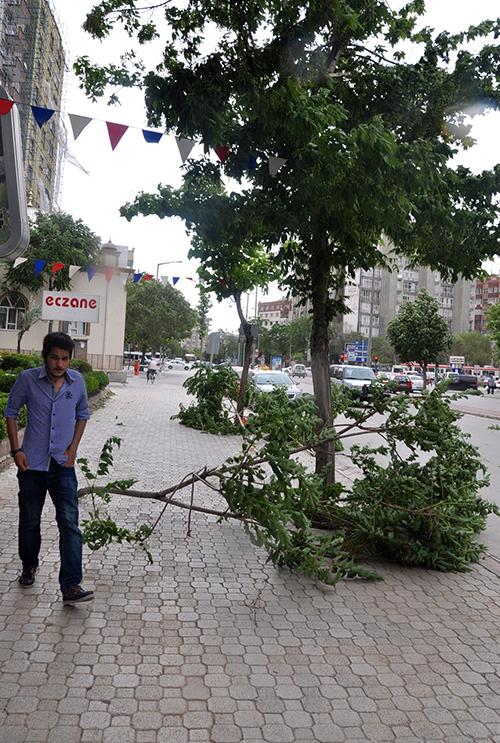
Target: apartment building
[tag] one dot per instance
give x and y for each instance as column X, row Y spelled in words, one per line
column 32, row 67
column 382, row 293
column 486, row 293
column 276, row 312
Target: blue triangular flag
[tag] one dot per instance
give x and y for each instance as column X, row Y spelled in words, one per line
column 42, row 115
column 151, row 137
column 137, row 277
column 39, row 266
column 252, row 162
column 91, row 272
column 175, row 279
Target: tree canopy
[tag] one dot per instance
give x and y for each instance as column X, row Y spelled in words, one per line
column 474, row 346
column 418, row 333
column 54, row 238
column 157, row 315
column 365, row 131
column 493, row 323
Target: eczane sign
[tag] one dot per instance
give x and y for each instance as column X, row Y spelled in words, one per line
column 70, row 306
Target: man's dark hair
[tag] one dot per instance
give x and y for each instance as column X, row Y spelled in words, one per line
column 57, row 340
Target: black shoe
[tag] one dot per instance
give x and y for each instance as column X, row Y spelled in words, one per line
column 27, row 577
column 76, row 595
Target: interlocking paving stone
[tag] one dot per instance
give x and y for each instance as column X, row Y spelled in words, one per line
column 211, row 644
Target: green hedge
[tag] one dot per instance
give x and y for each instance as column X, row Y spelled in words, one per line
column 16, row 362
column 81, row 365
column 11, row 364
column 95, row 381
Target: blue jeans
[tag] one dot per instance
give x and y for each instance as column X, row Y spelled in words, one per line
column 62, row 486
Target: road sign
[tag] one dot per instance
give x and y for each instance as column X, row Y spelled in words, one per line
column 213, row 343
column 356, row 352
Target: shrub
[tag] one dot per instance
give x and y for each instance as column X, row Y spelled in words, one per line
column 95, row 381
column 7, row 380
column 81, row 365
column 19, row 361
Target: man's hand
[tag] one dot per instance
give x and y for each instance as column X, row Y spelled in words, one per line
column 21, row 461
column 70, row 455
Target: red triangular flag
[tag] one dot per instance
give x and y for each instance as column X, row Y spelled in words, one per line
column 5, row 106
column 147, row 277
column 116, row 132
column 222, row 152
column 56, row 267
column 109, row 273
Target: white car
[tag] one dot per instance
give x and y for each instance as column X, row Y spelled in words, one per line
column 267, row 381
column 179, row 364
column 417, row 382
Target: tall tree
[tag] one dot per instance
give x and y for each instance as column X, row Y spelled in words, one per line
column 54, row 238
column 493, row 324
column 475, row 347
column 366, row 136
column 203, row 308
column 381, row 347
column 157, row 315
column 418, row 333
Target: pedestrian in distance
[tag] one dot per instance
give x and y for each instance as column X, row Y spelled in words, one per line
column 137, row 368
column 56, row 400
column 491, row 384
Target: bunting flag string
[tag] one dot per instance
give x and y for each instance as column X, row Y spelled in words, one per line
column 39, row 264
column 116, row 131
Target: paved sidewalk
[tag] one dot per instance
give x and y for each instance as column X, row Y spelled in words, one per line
column 212, row 644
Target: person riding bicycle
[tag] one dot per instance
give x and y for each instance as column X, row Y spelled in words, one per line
column 151, row 370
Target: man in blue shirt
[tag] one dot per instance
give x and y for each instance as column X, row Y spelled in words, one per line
column 56, row 400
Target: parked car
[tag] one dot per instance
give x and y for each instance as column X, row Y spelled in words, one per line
column 395, row 382
column 178, row 364
column 417, row 382
column 357, row 379
column 298, row 370
column 462, row 382
column 267, row 381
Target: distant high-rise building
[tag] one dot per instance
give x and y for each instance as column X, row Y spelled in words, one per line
column 486, row 293
column 382, row 293
column 32, row 67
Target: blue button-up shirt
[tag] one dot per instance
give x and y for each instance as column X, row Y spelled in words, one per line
column 51, row 418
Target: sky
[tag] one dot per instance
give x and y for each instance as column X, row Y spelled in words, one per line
column 115, row 177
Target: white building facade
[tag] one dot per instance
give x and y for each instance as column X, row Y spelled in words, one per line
column 100, row 343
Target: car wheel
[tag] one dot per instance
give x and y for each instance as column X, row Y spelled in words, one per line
column 170, row 366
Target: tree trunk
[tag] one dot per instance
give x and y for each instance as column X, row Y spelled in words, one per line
column 424, row 370
column 247, row 331
column 320, row 269
column 19, row 339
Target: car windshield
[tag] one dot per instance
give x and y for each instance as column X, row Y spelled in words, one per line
column 277, row 378
column 359, row 372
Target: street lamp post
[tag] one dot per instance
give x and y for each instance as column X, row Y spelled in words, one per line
column 164, row 263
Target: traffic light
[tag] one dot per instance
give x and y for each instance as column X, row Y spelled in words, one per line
column 375, row 358
column 14, row 230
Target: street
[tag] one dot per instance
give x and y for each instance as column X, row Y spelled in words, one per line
column 212, row 643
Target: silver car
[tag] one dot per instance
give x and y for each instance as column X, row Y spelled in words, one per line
column 356, row 379
column 267, row 381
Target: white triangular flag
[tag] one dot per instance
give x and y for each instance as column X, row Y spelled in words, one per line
column 275, row 164
column 72, row 159
column 73, row 270
column 185, row 146
column 78, row 124
column 19, row 262
column 164, row 280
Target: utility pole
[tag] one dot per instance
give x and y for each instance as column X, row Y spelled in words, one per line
column 370, row 326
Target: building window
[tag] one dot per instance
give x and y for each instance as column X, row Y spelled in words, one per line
column 75, row 328
column 12, row 308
